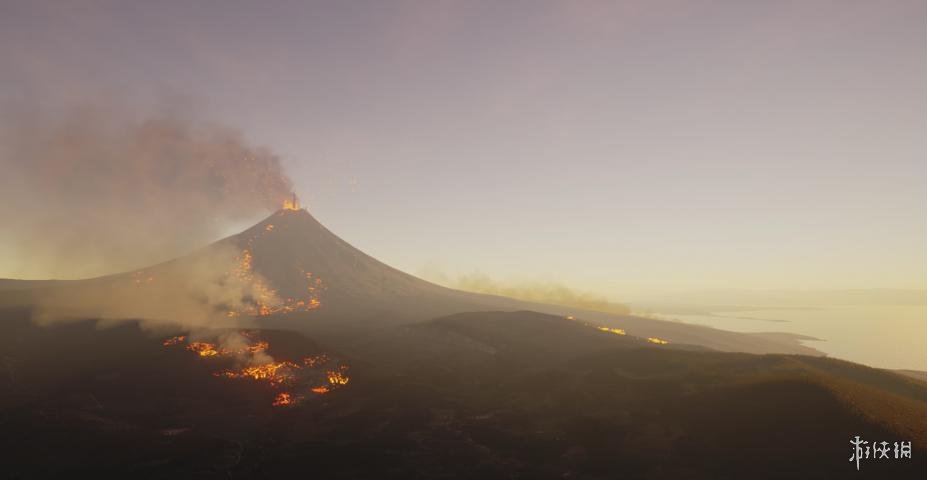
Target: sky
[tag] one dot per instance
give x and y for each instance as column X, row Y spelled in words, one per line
column 621, row 148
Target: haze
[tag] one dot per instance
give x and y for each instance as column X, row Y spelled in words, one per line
column 617, row 147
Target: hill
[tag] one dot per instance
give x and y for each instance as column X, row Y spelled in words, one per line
column 496, row 395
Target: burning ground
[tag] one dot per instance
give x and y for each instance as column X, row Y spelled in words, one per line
column 478, row 395
column 292, row 380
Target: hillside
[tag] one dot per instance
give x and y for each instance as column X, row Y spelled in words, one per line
column 500, row 395
column 290, row 272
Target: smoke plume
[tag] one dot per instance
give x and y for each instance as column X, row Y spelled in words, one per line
column 531, row 291
column 91, row 192
column 194, row 294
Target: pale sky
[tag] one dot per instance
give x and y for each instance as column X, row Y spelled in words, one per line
column 617, row 147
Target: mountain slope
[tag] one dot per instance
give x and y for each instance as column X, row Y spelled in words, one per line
column 295, row 274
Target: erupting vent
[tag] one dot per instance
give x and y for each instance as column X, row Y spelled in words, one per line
column 291, row 204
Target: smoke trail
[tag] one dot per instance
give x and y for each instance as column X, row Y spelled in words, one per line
column 528, row 290
column 93, row 191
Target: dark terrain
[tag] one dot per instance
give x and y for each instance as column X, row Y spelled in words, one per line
column 489, row 395
column 443, row 384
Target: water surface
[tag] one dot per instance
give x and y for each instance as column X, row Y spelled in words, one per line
column 879, row 336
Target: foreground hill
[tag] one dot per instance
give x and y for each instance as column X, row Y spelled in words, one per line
column 473, row 395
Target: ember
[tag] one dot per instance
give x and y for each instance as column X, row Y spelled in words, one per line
column 266, row 300
column 616, row 331
column 282, row 376
column 315, row 360
column 140, row 277
column 275, row 373
column 174, row 340
column 338, row 377
column 203, row 349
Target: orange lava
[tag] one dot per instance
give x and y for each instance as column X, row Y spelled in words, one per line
column 281, row 376
column 275, row 373
column 315, row 360
column 203, row 349
column 290, row 204
column 174, row 340
column 338, row 377
column 266, row 300
column 616, row 331
column 283, row 398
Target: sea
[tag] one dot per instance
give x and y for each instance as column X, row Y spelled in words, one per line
column 893, row 337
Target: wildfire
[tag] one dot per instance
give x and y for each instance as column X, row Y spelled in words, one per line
column 315, row 360
column 204, row 349
column 275, row 373
column 283, row 376
column 338, row 377
column 266, row 299
column 174, row 340
column 616, row 331
column 257, row 347
column 658, row 341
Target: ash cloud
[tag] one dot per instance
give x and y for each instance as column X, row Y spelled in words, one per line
column 93, row 191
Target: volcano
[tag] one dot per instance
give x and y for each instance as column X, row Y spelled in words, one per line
column 295, row 274
column 283, row 349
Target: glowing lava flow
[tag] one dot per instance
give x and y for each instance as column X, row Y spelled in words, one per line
column 283, row 376
column 283, row 398
column 616, row 331
column 315, row 360
column 265, row 300
column 274, row 373
column 204, row 349
column 338, row 377
column 174, row 340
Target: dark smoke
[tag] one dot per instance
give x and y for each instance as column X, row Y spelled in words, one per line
column 92, row 192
